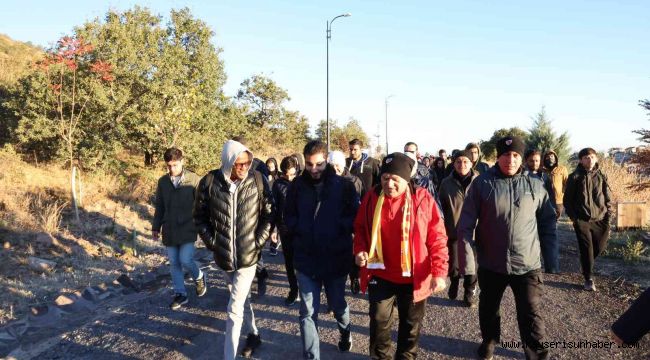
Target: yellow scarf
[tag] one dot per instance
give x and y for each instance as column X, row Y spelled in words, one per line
column 376, row 259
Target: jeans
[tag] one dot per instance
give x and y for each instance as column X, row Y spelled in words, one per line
column 528, row 291
column 239, row 309
column 384, row 296
column 309, row 290
column 182, row 256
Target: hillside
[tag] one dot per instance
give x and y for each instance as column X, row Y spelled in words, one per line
column 15, row 58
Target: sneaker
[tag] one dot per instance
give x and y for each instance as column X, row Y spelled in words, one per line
column 201, row 285
column 179, row 300
column 453, row 288
column 291, row 298
column 486, row 350
column 589, row 285
column 273, row 251
column 470, row 300
column 345, row 344
column 261, row 282
column 355, row 286
column 252, row 342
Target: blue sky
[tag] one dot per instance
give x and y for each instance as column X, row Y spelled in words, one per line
column 458, row 70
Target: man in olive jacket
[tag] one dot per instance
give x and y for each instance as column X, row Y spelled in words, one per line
column 588, row 204
column 514, row 214
column 233, row 211
column 174, row 200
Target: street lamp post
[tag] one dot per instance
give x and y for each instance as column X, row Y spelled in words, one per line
column 328, row 37
column 388, row 97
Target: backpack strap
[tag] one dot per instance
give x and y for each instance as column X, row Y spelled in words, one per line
column 259, row 182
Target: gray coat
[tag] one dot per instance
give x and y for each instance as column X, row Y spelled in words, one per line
column 514, row 214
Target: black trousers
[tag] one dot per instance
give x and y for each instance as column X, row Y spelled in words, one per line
column 469, row 281
column 527, row 289
column 383, row 296
column 287, row 251
column 592, row 240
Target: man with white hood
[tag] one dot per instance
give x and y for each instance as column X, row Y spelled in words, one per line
column 232, row 212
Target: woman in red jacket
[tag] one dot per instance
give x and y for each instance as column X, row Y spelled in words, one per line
column 401, row 246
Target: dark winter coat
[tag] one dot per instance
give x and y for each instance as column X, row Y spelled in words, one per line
column 320, row 224
column 279, row 190
column 366, row 169
column 452, row 197
column 514, row 215
column 174, row 209
column 587, row 196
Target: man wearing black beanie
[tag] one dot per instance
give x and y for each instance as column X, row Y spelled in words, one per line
column 400, row 246
column 506, row 215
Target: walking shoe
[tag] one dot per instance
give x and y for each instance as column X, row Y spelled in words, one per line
column 453, row 288
column 262, row 275
column 273, row 251
column 589, row 285
column 345, row 344
column 486, row 350
column 179, row 300
column 355, row 286
column 252, row 342
column 470, row 300
column 291, row 298
column 202, row 285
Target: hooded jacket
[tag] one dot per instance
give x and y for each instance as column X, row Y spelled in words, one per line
column 558, row 175
column 174, row 209
column 428, row 239
column 366, row 169
column 479, row 165
column 279, row 190
column 514, row 215
column 236, row 219
column 587, row 195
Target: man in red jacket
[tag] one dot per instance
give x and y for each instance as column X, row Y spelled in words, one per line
column 401, row 247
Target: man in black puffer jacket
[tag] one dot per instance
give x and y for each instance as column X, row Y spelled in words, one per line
column 233, row 211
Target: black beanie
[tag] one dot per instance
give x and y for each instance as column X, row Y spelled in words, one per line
column 585, row 152
column 398, row 164
column 510, row 143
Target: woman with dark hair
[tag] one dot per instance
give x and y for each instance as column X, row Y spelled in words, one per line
column 272, row 164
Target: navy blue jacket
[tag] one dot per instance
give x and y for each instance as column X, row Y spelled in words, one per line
column 321, row 227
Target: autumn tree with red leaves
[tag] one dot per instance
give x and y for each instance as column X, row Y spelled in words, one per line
column 61, row 87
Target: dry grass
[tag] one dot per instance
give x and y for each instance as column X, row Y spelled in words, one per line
column 624, row 185
column 35, row 200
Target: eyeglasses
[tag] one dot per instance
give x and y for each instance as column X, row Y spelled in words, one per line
column 243, row 165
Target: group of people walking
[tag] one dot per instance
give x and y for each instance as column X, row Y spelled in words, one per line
column 391, row 226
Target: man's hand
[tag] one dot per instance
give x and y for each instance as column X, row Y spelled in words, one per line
column 438, row 284
column 361, row 259
column 155, row 234
column 616, row 339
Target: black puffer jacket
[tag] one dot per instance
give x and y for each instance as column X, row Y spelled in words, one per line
column 587, row 196
column 238, row 222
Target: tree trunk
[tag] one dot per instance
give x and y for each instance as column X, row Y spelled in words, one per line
column 73, row 175
column 148, row 158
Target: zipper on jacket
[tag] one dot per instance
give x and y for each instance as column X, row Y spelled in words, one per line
column 512, row 220
column 233, row 213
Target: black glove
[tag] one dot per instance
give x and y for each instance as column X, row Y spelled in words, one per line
column 208, row 239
